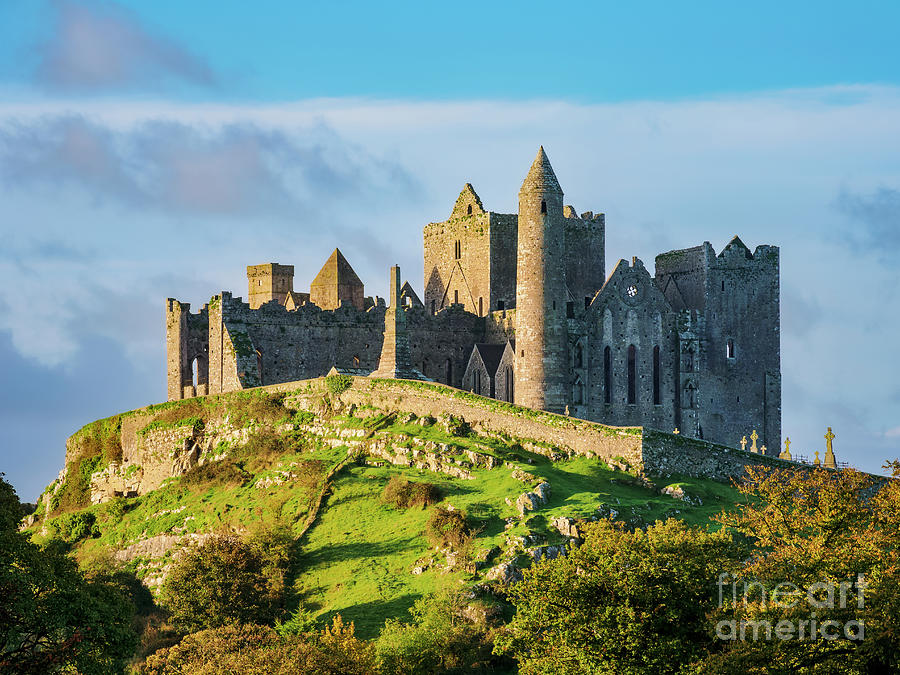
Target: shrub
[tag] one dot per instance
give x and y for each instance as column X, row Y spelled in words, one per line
column 259, row 649
column 228, row 580
column 338, row 384
column 73, row 527
column 447, row 635
column 258, row 407
column 225, row 473
column 448, row 528
column 403, row 494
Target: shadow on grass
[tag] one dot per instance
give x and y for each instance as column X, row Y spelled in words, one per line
column 369, row 617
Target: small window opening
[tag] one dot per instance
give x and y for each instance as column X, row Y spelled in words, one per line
column 607, row 376
column 570, row 310
column 432, row 306
column 723, row 284
column 457, row 250
column 469, row 210
column 501, row 305
column 632, row 380
column 522, row 353
column 543, row 206
column 554, row 304
column 729, row 349
column 480, row 306
column 456, row 297
column 449, row 372
column 579, row 356
column 477, row 386
column 578, row 392
column 356, row 362
column 587, row 301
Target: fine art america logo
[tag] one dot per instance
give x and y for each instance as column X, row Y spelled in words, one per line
column 823, row 610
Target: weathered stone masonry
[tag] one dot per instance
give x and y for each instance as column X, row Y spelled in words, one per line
column 693, row 346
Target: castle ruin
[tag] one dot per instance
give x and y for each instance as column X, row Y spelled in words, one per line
column 518, row 307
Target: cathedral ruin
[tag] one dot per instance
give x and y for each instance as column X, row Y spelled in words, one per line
column 518, row 307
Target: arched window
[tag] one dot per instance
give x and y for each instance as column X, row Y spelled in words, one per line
column 579, row 355
column 510, row 383
column 477, row 385
column 689, row 360
column 656, row 397
column 456, row 297
column 543, row 206
column 432, row 306
column 450, row 372
column 632, row 366
column 469, row 210
column 195, row 372
column 607, row 376
column 729, row 349
column 425, row 367
column 578, row 392
column 356, row 362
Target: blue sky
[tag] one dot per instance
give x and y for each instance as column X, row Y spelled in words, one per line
column 154, row 149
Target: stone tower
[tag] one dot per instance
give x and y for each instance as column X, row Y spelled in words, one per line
column 268, row 282
column 541, row 361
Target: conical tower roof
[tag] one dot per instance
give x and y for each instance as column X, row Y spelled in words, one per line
column 540, row 176
column 337, row 270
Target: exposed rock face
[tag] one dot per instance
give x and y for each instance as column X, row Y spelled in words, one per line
column 529, row 501
column 505, row 573
column 567, row 527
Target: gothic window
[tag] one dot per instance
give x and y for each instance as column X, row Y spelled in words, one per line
column 543, row 206
column 689, row 361
column 457, row 250
column 480, row 306
column 356, row 362
column 587, row 301
column 570, row 310
column 425, row 364
column 579, row 355
column 510, row 380
column 729, row 349
column 432, row 307
column 632, row 380
column 456, row 297
column 477, row 386
column 607, row 376
column 656, row 397
column 450, row 372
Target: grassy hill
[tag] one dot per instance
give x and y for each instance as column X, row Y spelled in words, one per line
column 319, row 471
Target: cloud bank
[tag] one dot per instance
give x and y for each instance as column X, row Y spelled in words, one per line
column 98, row 46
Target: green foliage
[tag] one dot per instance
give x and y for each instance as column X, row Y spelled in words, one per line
column 195, row 422
column 403, row 494
column 53, row 619
column 259, row 650
column 445, row 636
column 446, row 528
column 227, row 581
column 223, row 473
column 623, row 602
column 10, row 508
column 257, row 407
column 75, row 493
column 338, row 384
column 74, row 526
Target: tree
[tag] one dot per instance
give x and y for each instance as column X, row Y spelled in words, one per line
column 826, row 548
column 622, row 602
column 228, row 580
column 52, row 618
column 447, row 635
column 259, row 650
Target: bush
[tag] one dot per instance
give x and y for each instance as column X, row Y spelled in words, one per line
column 259, row 407
column 447, row 635
column 403, row 494
column 228, row 580
column 259, row 649
column 448, row 528
column 73, row 527
column 338, row 384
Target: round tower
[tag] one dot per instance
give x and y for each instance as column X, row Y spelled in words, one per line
column 541, row 360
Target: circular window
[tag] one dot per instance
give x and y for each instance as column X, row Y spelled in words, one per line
column 632, row 291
